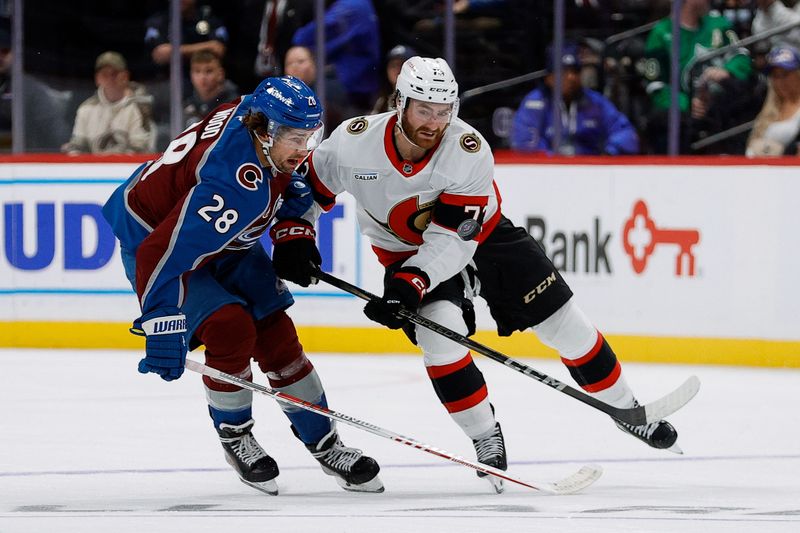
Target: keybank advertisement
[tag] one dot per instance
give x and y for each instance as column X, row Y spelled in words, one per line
column 705, row 251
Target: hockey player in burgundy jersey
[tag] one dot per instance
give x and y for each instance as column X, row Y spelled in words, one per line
column 426, row 199
column 189, row 225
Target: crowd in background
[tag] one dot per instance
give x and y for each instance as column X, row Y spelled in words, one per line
column 97, row 76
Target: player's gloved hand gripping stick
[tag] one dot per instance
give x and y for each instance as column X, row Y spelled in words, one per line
column 404, row 290
column 637, row 416
column 165, row 342
column 295, row 256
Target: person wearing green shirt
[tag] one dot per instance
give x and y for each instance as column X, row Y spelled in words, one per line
column 700, row 89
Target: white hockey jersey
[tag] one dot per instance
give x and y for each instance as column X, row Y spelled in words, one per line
column 432, row 213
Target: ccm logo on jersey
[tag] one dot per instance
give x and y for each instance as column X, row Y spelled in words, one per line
column 249, row 175
column 540, row 288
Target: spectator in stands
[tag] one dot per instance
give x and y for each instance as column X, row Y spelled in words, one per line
column 6, row 61
column 352, row 45
column 591, row 124
column 200, row 30
column 778, row 124
column 301, row 63
column 738, row 13
column 281, row 19
column 116, row 119
column 47, row 123
column 771, row 14
column 394, row 62
column 718, row 95
column 210, row 86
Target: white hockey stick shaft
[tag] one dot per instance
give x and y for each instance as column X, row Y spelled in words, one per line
column 565, row 486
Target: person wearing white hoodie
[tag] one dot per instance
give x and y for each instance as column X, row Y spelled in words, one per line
column 116, row 119
column 771, row 14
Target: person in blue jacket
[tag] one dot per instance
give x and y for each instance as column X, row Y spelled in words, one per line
column 591, row 125
column 352, row 45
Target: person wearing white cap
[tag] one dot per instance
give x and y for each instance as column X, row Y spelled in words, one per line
column 778, row 123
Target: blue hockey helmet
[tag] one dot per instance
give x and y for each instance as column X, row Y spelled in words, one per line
column 289, row 105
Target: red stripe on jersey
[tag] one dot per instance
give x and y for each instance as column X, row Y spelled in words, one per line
column 489, row 225
column 589, row 356
column 401, row 164
column 461, row 200
column 435, row 372
column 388, row 257
column 321, row 192
column 470, row 401
column 605, row 383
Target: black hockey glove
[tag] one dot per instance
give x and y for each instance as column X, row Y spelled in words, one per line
column 404, row 289
column 295, row 256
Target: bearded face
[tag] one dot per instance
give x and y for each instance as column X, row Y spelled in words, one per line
column 424, row 123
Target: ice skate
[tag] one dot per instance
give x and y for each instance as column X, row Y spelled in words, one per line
column 245, row 455
column 491, row 451
column 660, row 435
column 352, row 470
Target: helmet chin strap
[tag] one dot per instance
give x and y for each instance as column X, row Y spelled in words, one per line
column 265, row 146
column 403, row 132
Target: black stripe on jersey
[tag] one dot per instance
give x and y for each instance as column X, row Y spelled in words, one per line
column 461, row 214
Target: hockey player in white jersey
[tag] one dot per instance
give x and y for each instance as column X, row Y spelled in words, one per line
column 426, row 199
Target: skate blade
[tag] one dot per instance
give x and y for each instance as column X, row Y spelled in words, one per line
column 675, row 449
column 373, row 485
column 498, row 484
column 268, row 487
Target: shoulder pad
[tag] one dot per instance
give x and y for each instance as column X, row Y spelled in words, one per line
column 470, row 143
column 357, row 126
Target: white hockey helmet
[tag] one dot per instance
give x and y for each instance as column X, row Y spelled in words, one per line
column 427, row 80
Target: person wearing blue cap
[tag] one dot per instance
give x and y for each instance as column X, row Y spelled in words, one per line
column 777, row 125
column 591, row 123
column 394, row 62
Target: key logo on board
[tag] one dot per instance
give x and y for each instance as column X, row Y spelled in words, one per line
column 640, row 235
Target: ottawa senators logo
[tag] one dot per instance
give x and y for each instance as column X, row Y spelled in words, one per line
column 358, row 126
column 249, row 176
column 470, row 143
column 407, row 220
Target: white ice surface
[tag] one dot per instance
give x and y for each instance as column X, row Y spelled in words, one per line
column 88, row 444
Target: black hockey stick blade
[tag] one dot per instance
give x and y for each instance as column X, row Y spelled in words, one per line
column 636, row 416
column 578, row 481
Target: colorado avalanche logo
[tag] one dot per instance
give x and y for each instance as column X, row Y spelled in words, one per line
column 249, row 176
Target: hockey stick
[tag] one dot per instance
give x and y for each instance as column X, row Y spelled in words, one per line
column 635, row 416
column 577, row 481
